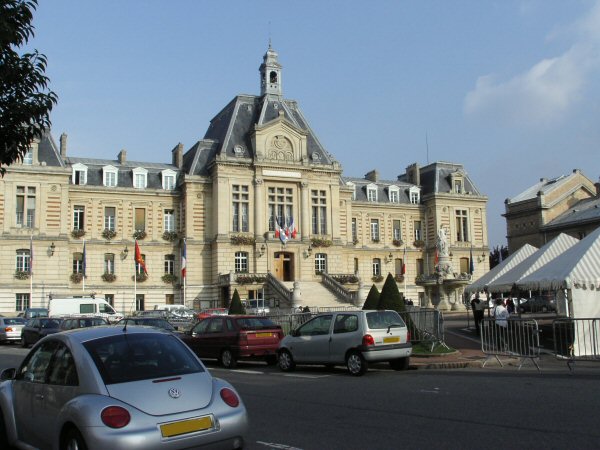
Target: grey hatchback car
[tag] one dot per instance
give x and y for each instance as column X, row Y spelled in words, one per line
column 115, row 388
column 353, row 338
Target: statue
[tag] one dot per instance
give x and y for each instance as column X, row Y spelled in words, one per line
column 442, row 242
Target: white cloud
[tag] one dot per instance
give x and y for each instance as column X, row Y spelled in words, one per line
column 547, row 92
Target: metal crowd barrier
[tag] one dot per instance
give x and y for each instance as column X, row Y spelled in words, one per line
column 520, row 338
column 426, row 325
column 576, row 340
column 288, row 322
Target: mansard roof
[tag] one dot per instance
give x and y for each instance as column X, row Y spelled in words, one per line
column 48, row 151
column 583, row 212
column 436, row 178
column 382, row 189
column 125, row 178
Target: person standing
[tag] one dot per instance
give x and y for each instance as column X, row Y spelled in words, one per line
column 500, row 315
column 477, row 306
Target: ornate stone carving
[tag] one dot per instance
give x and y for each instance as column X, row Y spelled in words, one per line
column 281, row 149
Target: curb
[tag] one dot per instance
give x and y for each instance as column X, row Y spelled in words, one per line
column 447, row 365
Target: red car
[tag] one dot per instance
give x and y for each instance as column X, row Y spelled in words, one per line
column 212, row 312
column 229, row 338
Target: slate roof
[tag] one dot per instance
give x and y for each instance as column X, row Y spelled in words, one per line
column 49, row 152
column 544, row 185
column 435, row 178
column 583, row 212
column 382, row 189
column 125, row 176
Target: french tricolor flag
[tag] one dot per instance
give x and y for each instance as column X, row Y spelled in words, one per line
column 183, row 259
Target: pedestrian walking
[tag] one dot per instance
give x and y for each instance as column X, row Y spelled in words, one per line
column 478, row 307
column 500, row 315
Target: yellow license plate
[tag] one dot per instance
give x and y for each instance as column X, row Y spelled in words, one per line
column 186, row 426
column 263, row 335
column 389, row 340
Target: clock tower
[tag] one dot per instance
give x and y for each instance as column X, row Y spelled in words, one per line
column 270, row 74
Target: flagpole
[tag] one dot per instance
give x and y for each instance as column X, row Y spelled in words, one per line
column 84, row 263
column 404, row 274
column 185, row 274
column 134, row 280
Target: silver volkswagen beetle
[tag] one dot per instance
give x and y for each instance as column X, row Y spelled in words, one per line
column 117, row 388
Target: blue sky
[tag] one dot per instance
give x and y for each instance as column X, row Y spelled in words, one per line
column 511, row 89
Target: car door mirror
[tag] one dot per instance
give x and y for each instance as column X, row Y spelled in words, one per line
column 8, row 374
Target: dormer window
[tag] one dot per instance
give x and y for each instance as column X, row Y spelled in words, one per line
column 140, row 178
column 457, row 182
column 394, row 194
column 458, row 186
column 110, row 176
column 372, row 192
column 168, row 179
column 352, row 186
column 79, row 175
column 414, row 194
column 28, row 158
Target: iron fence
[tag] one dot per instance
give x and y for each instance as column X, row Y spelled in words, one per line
column 520, row 338
column 576, row 340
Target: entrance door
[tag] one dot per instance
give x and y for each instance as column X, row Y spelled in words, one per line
column 283, row 266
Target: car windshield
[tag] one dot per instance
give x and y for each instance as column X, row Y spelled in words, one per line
column 50, row 324
column 255, row 323
column 160, row 323
column 15, row 321
column 141, row 356
column 384, row 319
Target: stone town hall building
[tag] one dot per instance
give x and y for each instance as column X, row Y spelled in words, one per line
column 258, row 170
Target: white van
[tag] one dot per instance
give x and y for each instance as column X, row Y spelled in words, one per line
column 82, row 306
column 179, row 311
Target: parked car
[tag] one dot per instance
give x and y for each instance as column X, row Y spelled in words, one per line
column 105, row 388
column 353, row 338
column 36, row 329
column 10, row 329
column 537, row 304
column 30, row 313
column 148, row 321
column 71, row 323
column 212, row 312
column 230, row 338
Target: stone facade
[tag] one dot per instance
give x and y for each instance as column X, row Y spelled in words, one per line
column 566, row 204
column 258, row 172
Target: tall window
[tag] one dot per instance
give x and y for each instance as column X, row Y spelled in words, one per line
column 241, row 262
column 418, row 230
column 78, row 263
column 110, row 299
column 376, row 267
column 110, row 178
column 23, row 260
column 240, row 207
column 354, row 231
column 415, row 195
column 169, row 264
column 169, row 220
column 79, row 176
column 110, row 220
column 109, row 263
column 398, row 266
column 25, row 206
column 462, row 226
column 372, row 194
column 140, row 219
column 375, row 230
column 419, row 266
column 169, row 299
column 319, row 211
column 140, row 302
column 394, row 195
column 140, row 178
column 464, row 265
column 397, row 230
column 280, row 206
column 320, row 263
column 169, row 182
column 21, row 302
column 78, row 216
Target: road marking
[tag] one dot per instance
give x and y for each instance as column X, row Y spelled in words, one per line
column 253, row 372
column 304, row 376
column 274, row 445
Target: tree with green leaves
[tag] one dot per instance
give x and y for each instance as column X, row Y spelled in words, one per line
column 390, row 297
column 236, row 306
column 25, row 100
column 372, row 298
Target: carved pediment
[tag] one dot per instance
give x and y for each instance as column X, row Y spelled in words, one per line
column 280, row 141
column 280, row 148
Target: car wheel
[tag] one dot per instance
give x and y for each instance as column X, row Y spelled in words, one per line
column 271, row 360
column 400, row 363
column 356, row 364
column 227, row 359
column 73, row 440
column 286, row 361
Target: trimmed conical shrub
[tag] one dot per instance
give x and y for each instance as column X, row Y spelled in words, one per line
column 236, row 306
column 372, row 298
column 390, row 297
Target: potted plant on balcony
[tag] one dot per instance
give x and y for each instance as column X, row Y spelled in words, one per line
column 241, row 239
column 140, row 277
column 377, row 278
column 419, row 243
column 108, row 234
column 170, row 236
column 397, row 242
column 109, row 277
column 321, row 242
column 169, row 278
column 22, row 275
column 77, row 233
column 139, row 234
column 76, row 277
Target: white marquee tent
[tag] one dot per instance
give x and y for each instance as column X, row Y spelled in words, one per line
column 481, row 283
column 544, row 255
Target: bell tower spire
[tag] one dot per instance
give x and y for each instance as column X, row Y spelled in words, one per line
column 270, row 73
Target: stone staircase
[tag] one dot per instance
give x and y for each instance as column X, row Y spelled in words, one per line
column 314, row 294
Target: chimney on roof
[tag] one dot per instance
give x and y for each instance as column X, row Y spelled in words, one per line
column 63, row 145
column 413, row 174
column 122, row 157
column 373, row 176
column 597, row 184
column 177, row 153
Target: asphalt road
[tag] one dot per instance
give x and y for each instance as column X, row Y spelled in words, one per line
column 315, row 408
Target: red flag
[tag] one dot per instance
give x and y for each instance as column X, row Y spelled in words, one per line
column 436, row 260
column 404, row 261
column 183, row 260
column 139, row 259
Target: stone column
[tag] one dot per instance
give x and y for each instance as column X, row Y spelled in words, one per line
column 259, row 209
column 304, row 211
